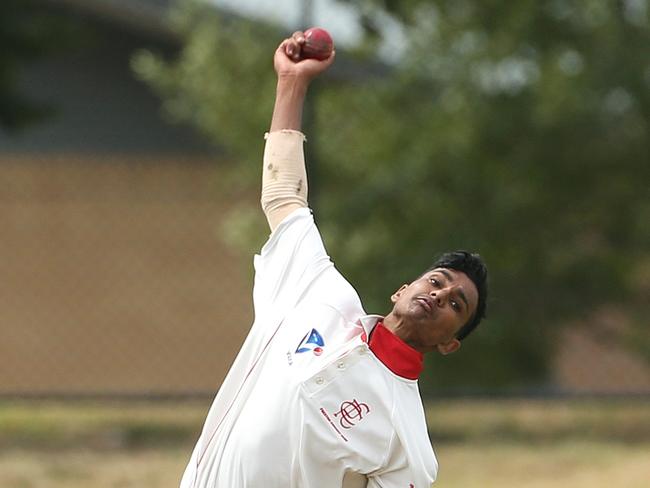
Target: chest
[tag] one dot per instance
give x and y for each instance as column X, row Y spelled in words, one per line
column 310, row 337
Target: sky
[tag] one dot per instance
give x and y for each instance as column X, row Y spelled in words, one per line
column 339, row 19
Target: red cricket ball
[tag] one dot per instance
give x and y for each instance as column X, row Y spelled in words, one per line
column 318, row 44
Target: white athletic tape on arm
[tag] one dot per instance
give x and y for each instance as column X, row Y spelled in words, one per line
column 284, row 178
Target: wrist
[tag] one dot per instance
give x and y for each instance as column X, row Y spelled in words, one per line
column 293, row 84
column 289, row 101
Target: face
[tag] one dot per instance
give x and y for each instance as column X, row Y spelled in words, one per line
column 428, row 313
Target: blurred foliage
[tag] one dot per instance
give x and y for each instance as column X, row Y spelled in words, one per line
column 518, row 129
column 29, row 31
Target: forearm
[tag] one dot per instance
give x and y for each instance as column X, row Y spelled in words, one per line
column 289, row 100
column 284, row 178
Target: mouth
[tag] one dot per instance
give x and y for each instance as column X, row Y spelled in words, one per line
column 426, row 303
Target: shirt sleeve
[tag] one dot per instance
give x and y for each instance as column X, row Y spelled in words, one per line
column 401, row 478
column 403, row 469
column 292, row 258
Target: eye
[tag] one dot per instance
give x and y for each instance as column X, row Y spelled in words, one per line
column 435, row 282
column 455, row 305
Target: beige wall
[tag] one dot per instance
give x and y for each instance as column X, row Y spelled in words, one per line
column 114, row 278
column 591, row 357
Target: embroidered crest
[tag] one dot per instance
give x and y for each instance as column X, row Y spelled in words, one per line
column 313, row 342
column 350, row 413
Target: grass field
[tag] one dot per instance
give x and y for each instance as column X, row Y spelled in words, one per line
column 524, row 444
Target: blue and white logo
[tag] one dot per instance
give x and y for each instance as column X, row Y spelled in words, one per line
column 313, row 342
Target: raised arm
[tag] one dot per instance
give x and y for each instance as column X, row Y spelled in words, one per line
column 284, row 178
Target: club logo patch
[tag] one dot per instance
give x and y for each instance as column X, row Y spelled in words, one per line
column 312, row 342
column 351, row 412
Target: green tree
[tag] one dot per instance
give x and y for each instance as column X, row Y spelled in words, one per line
column 518, row 129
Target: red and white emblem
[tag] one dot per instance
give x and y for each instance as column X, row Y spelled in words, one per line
column 350, row 413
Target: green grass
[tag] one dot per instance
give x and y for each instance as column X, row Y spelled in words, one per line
column 32, row 425
column 524, row 444
column 539, row 421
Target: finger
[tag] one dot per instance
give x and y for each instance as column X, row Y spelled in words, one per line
column 291, row 48
column 283, row 46
column 328, row 62
column 294, row 49
column 299, row 37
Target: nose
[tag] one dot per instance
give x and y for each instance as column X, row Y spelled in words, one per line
column 440, row 296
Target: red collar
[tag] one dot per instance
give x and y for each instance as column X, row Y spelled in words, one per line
column 396, row 354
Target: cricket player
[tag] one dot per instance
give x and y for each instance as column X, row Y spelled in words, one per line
column 323, row 395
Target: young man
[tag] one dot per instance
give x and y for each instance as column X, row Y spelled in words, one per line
column 323, row 395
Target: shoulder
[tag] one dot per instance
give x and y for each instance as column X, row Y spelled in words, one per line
column 377, row 419
column 353, row 403
column 411, row 452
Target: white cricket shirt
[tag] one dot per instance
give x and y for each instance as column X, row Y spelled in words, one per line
column 310, row 402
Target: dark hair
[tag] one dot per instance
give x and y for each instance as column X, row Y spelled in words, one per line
column 474, row 267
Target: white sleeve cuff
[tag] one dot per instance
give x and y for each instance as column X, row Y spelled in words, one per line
column 285, row 131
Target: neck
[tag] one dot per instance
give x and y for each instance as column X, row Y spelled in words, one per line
column 396, row 325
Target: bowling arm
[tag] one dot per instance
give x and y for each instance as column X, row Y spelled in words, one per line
column 284, row 178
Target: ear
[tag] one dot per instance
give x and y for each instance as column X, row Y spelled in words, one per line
column 395, row 296
column 448, row 347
